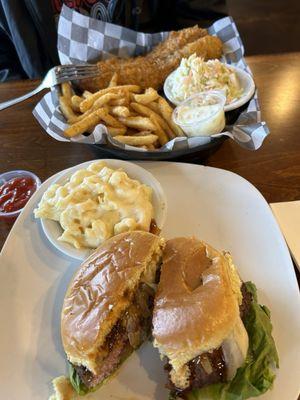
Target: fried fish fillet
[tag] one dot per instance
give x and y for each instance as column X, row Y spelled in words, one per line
column 152, row 69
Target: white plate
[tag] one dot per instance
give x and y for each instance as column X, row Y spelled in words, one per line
column 245, row 80
column 53, row 229
column 217, row 206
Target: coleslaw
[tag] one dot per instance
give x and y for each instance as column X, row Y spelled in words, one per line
column 196, row 75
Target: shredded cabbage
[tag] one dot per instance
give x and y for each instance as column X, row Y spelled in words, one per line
column 195, row 75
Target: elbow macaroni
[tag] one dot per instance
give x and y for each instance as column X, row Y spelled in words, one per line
column 95, row 204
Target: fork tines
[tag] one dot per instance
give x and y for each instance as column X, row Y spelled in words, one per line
column 70, row 72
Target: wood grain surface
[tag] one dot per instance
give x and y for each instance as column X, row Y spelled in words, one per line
column 274, row 169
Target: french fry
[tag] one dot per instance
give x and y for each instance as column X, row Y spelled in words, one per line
column 151, row 147
column 86, row 94
column 82, row 116
column 141, row 109
column 166, row 111
column 138, row 133
column 139, row 123
column 88, row 103
column 111, row 121
column 114, row 80
column 162, row 137
column 147, row 97
column 66, row 109
column 144, row 110
column 120, row 111
column 116, row 131
column 137, row 140
column 75, row 102
column 106, row 98
column 154, row 107
column 88, row 112
column 119, row 102
column 85, row 124
column 126, row 95
column 97, row 105
column 66, row 90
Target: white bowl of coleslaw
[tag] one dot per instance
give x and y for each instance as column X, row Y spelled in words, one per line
column 194, row 75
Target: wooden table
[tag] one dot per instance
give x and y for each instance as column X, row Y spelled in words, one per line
column 274, row 169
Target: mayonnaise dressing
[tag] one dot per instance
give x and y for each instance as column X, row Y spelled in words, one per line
column 188, row 114
column 202, row 114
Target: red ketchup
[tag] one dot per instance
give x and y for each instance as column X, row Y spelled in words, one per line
column 15, row 193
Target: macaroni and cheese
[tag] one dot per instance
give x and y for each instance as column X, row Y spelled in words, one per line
column 95, row 204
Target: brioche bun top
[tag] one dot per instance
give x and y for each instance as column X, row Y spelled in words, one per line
column 100, row 292
column 197, row 301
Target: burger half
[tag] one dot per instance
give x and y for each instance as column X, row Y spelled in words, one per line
column 107, row 310
column 213, row 335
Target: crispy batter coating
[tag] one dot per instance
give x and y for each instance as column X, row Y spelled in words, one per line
column 152, row 69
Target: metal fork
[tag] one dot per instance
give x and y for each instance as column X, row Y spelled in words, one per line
column 55, row 76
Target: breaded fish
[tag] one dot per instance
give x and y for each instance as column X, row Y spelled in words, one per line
column 152, row 69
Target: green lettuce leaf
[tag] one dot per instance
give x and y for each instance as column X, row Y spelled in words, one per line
column 256, row 375
column 76, row 382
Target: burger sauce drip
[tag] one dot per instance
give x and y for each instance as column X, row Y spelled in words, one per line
column 154, row 228
column 15, row 193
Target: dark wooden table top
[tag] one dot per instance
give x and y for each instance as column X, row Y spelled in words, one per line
column 274, row 169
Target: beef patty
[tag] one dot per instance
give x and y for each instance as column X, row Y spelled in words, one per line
column 205, row 369
column 128, row 333
column 118, row 346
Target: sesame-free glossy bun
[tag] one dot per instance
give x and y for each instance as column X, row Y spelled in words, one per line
column 197, row 301
column 101, row 290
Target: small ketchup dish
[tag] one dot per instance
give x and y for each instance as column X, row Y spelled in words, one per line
column 16, row 188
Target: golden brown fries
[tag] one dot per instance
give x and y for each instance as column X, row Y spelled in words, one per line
column 154, row 107
column 76, row 100
column 137, row 140
column 114, row 80
column 86, row 94
column 120, row 111
column 139, row 123
column 144, row 110
column 116, row 131
column 88, row 103
column 132, row 132
column 162, row 137
column 111, row 121
column 147, row 97
column 66, row 90
column 82, row 126
column 106, row 98
column 119, row 102
column 137, row 119
column 166, row 111
column 66, row 109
